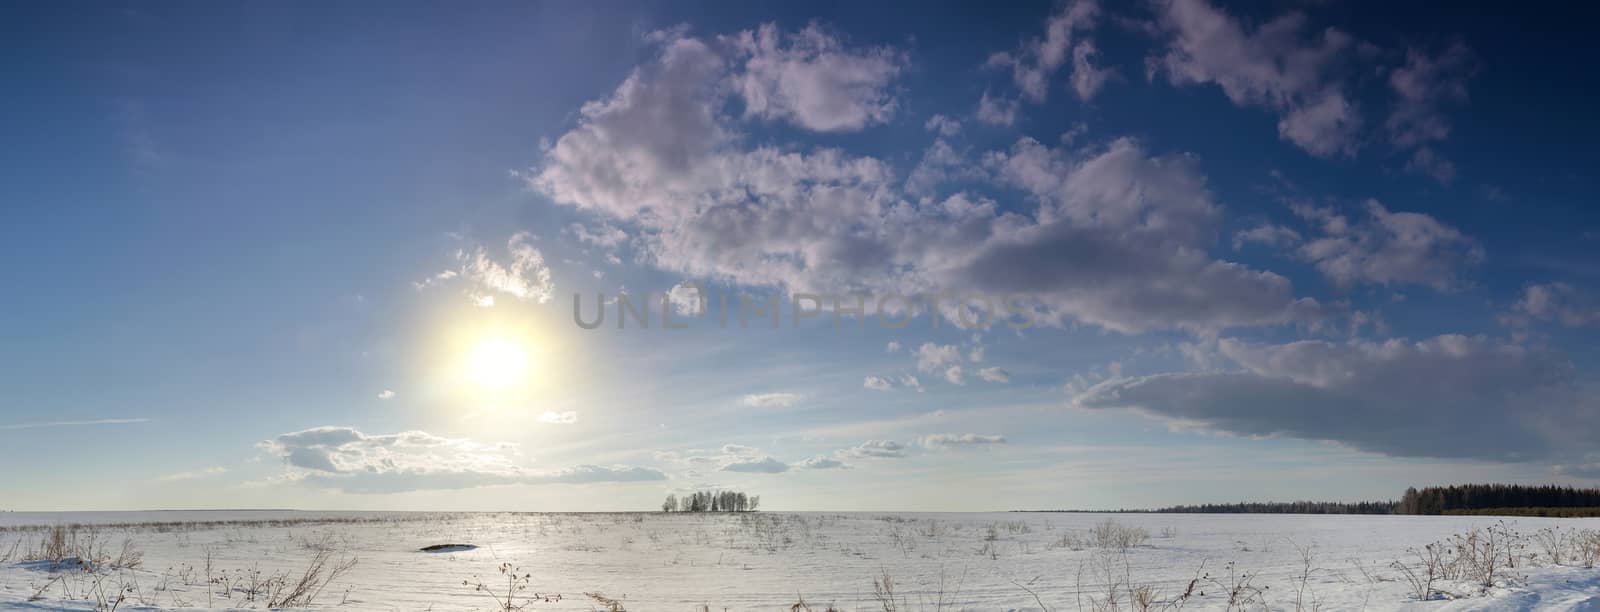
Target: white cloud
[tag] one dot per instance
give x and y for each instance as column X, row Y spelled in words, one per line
column 812, row 80
column 739, row 450
column 1143, row 222
column 943, row 126
column 1421, row 86
column 1387, row 248
column 346, row 450
column 687, row 299
column 911, row 382
column 194, row 475
column 876, row 449
column 567, row 417
column 955, row 375
column 1114, row 238
column 945, row 441
column 1426, row 162
column 1275, row 236
column 997, row 110
column 1559, row 302
column 1035, row 61
column 386, row 394
column 728, row 458
column 1448, row 396
column 771, row 400
column 940, row 164
column 346, row 459
column 994, row 375
column 932, row 356
column 525, row 276
column 821, row 462
column 1087, row 79
column 892, row 347
column 652, row 135
column 877, row 383
column 602, row 235
column 1272, row 67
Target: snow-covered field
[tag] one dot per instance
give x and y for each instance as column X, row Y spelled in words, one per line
column 771, row 560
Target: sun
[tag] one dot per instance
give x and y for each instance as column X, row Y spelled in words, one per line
column 497, row 363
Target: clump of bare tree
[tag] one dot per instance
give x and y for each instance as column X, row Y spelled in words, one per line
column 712, row 501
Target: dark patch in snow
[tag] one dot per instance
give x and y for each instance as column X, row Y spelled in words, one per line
column 445, row 548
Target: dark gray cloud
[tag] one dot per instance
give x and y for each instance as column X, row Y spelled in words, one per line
column 1449, row 396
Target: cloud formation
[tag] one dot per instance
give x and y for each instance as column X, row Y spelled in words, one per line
column 763, row 465
column 1559, row 302
column 822, row 462
column 876, row 449
column 1387, row 248
column 1110, row 236
column 1034, row 62
column 346, row 459
column 1275, row 236
column 931, row 357
column 1422, row 86
column 994, row 375
column 995, row 110
column 1275, row 66
column 193, row 475
column 524, row 276
column 1445, row 397
column 946, row 440
column 811, row 79
column 771, row 400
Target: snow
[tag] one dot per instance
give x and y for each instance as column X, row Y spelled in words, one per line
column 768, row 560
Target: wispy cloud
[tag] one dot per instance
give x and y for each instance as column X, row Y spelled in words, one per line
column 771, row 400
column 71, row 423
column 194, row 475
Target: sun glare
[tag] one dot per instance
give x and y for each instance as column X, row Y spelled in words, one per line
column 497, row 363
column 485, row 362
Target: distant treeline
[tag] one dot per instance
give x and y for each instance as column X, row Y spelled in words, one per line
column 1299, row 507
column 1477, row 497
column 1589, row 512
column 712, row 501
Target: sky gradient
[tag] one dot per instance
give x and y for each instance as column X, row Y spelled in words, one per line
column 326, row 256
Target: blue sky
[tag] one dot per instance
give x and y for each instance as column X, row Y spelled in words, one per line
column 326, row 256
